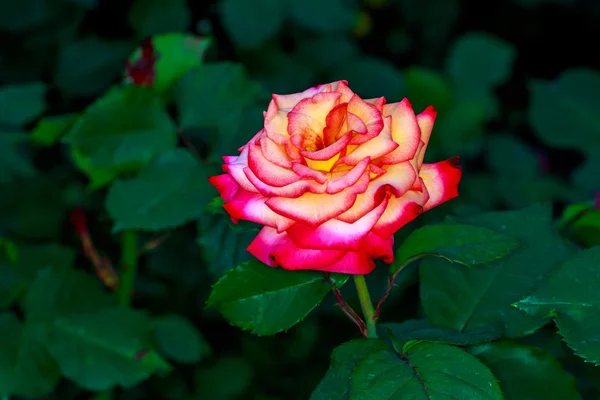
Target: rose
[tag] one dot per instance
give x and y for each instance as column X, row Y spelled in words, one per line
column 332, row 177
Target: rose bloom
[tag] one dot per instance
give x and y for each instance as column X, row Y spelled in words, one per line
column 332, row 177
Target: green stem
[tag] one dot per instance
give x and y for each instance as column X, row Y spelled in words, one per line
column 367, row 305
column 129, row 262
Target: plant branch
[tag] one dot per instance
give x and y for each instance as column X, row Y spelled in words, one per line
column 129, row 263
column 367, row 306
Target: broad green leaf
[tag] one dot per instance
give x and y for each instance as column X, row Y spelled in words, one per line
column 12, row 283
column 460, row 243
column 563, row 112
column 421, row 329
column 461, row 129
column 344, row 359
column 26, row 368
column 269, row 300
column 424, row 370
column 460, row 298
column 224, row 244
column 126, row 128
column 227, row 379
column 320, row 16
column 585, row 176
column 480, row 60
column 177, row 54
column 214, row 95
column 581, row 222
column 526, row 372
column 371, row 77
column 187, row 272
column 88, row 66
column 179, row 339
column 98, row 176
column 251, row 23
column 14, row 159
column 425, row 87
column 34, row 258
column 50, row 130
column 20, row 104
column 153, row 17
column 571, row 296
column 172, row 190
column 102, row 349
column 58, row 291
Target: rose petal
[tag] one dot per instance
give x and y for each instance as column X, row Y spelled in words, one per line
column 335, row 234
column 377, row 147
column 251, row 207
column 379, row 248
column 275, row 153
column 425, row 120
column 352, row 263
column 307, row 120
column 329, row 151
column 276, row 249
column 441, row 180
column 314, row 209
column 399, row 212
column 347, row 178
column 378, row 103
column 405, row 131
column 347, row 93
column 335, row 121
column 276, row 123
column 307, row 172
column 293, row 190
column 290, row 100
column 226, row 185
column 371, row 117
column 268, row 172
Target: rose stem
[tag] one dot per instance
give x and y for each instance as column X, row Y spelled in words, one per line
column 129, row 261
column 366, row 304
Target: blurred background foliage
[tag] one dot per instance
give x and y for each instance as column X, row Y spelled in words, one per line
column 516, row 84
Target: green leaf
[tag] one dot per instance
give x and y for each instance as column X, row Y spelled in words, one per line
column 125, row 128
column 251, row 23
column 575, row 306
column 336, row 382
column 324, row 16
column 26, row 368
column 153, row 17
column 421, row 329
column 526, row 372
column 425, row 87
column 177, row 54
column 460, row 243
column 14, row 162
column 12, row 284
column 584, row 177
column 581, row 222
column 13, row 19
column 20, row 104
column 480, row 60
column 460, row 298
column 508, row 156
column 98, row 176
column 102, row 349
column 462, row 127
column 50, row 130
column 34, row 258
column 567, row 104
column 179, row 339
column 88, row 66
column 172, row 190
column 371, row 77
column 423, row 371
column 269, row 300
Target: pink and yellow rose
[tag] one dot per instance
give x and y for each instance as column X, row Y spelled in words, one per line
column 332, row 177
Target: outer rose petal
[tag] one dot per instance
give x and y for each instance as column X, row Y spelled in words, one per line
column 379, row 248
column 335, row 234
column 441, row 180
column 293, row 190
column 354, row 263
column 226, row 185
column 276, row 249
column 425, row 121
column 290, row 100
column 405, row 132
column 251, row 207
column 342, row 87
column 400, row 211
column 268, row 172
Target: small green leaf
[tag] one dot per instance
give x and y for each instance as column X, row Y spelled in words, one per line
column 567, row 104
column 98, row 176
column 125, row 128
column 480, row 60
column 14, row 160
column 177, row 54
column 251, row 23
column 26, row 368
column 179, row 339
column 421, row 329
column 172, row 190
column 269, row 300
column 423, row 371
column 12, row 284
column 526, row 372
column 324, row 16
column 20, row 104
column 50, row 130
column 575, row 306
column 102, row 349
column 463, row 244
column 88, row 66
column 462, row 298
column 153, row 17
column 336, row 382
